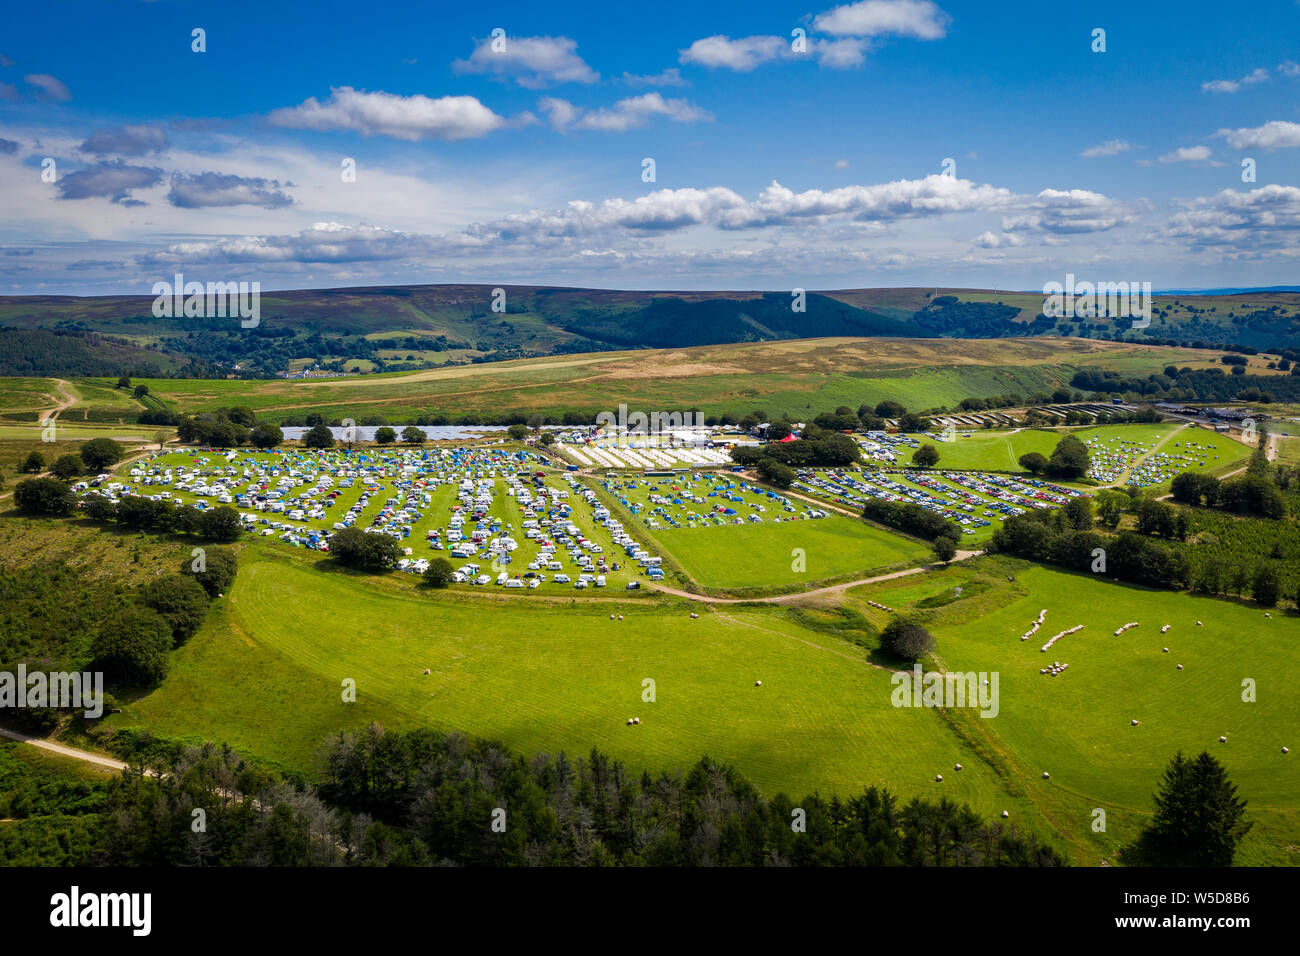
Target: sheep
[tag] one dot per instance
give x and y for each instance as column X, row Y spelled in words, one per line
column 1046, row 775
column 1165, row 649
column 426, row 670
column 1132, row 723
column 1180, row 666
column 1005, row 814
column 957, row 767
column 758, row 683
column 938, row 778
column 1285, row 750
column 620, row 617
column 1223, row 740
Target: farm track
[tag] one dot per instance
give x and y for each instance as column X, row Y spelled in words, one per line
column 63, row 750
column 832, row 589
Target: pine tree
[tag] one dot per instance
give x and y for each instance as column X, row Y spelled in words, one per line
column 1199, row 818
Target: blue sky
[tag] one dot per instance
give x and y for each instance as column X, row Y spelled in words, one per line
column 775, row 167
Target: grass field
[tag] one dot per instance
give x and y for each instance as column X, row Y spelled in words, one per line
column 793, row 376
column 734, row 553
column 566, row 676
column 1077, row 725
column 1001, row 451
column 550, row 678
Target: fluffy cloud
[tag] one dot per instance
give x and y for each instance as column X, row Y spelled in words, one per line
column 1232, row 86
column 868, row 18
column 325, row 242
column 1112, row 147
column 742, row 55
column 409, row 118
column 669, row 77
column 630, row 113
column 1275, row 134
column 1255, row 219
column 215, row 189
column 532, row 62
column 48, row 87
column 1068, row 212
column 113, row 180
column 1186, row 154
column 125, row 140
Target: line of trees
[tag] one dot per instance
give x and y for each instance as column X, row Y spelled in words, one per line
column 912, row 518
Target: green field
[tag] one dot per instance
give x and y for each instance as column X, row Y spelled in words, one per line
column 731, row 552
column 546, row 677
column 1001, row 451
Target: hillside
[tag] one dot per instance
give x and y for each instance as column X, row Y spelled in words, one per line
column 406, row 328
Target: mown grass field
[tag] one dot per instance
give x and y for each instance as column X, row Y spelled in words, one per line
column 1076, row 726
column 266, row 676
column 266, row 673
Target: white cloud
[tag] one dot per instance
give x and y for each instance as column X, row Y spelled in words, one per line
column 1186, row 154
column 48, row 87
column 386, row 114
column 1232, row 86
column 1275, row 134
column 1069, row 212
column 669, row 77
column 630, row 113
column 743, row 54
column 868, row 18
column 1267, row 217
column 1112, row 147
column 532, row 62
column 841, row 164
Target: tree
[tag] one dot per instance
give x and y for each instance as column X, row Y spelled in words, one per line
column 413, row 436
column 132, row 647
column 927, row 456
column 180, row 600
column 33, row 464
column 548, row 439
column 1034, row 463
column 775, row 473
column 216, row 571
column 518, row 432
column 1265, row 588
column 68, row 467
column 913, row 423
column 140, row 391
column 221, row 523
column 1069, row 459
column 945, row 549
column 123, row 381
column 889, row 409
column 903, row 637
column 44, row 496
column 1078, row 512
column 438, row 574
column 1199, row 820
column 266, row 435
column 778, row 430
column 101, row 453
column 319, row 436
column 385, row 435
column 364, row 550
